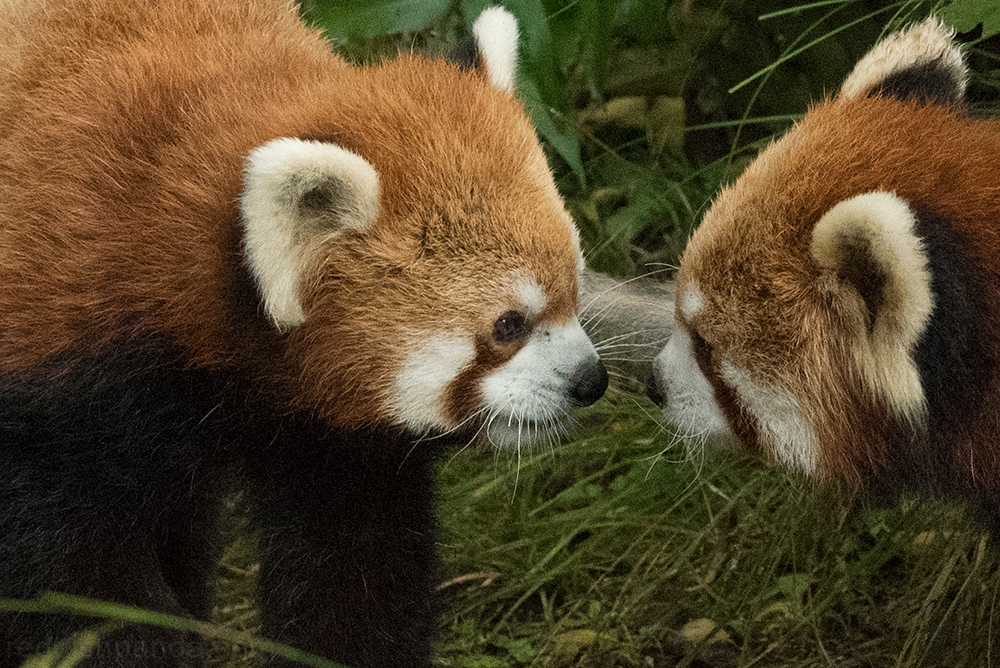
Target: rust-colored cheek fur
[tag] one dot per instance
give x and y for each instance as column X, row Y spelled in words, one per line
column 768, row 312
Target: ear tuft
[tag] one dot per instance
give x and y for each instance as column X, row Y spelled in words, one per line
column 495, row 32
column 875, row 266
column 919, row 63
column 297, row 194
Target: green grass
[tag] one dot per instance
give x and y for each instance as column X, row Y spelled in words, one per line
column 619, row 550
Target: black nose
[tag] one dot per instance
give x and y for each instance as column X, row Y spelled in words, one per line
column 589, row 381
column 653, row 390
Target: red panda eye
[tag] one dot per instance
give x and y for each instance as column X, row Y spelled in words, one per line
column 510, row 327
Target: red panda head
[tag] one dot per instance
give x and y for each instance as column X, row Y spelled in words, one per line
column 419, row 258
column 805, row 297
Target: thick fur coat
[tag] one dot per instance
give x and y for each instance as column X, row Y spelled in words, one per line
column 229, row 258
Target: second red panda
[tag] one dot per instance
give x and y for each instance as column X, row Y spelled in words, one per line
column 838, row 310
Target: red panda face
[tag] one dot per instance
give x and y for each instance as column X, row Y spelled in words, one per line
column 806, row 301
column 423, row 265
column 455, row 312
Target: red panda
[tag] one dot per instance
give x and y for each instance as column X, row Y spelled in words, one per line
column 228, row 257
column 838, row 309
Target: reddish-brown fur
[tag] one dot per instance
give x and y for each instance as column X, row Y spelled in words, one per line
column 933, row 157
column 77, row 272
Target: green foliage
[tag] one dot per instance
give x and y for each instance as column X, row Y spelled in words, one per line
column 966, row 14
column 648, row 106
column 355, row 21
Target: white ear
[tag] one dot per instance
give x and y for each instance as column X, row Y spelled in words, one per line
column 919, row 62
column 870, row 242
column 298, row 193
column 875, row 267
column 496, row 43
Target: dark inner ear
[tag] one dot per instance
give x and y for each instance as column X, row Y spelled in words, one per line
column 929, row 83
column 860, row 269
column 322, row 206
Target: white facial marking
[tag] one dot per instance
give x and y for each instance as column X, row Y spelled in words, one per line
column 691, row 302
column 530, row 294
column 417, row 400
column 495, row 32
column 529, row 395
column 779, row 418
column 690, row 399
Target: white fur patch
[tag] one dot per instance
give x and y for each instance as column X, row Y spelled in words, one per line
column 276, row 234
column 885, row 354
column 779, row 416
column 690, row 402
column 531, row 295
column 917, row 45
column 418, row 393
column 530, row 394
column 495, row 32
column 691, row 301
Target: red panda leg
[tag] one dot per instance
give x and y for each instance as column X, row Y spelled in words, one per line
column 127, row 575
column 124, row 573
column 347, row 549
column 92, row 469
column 188, row 545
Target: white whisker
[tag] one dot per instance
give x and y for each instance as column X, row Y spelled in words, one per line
column 618, row 285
